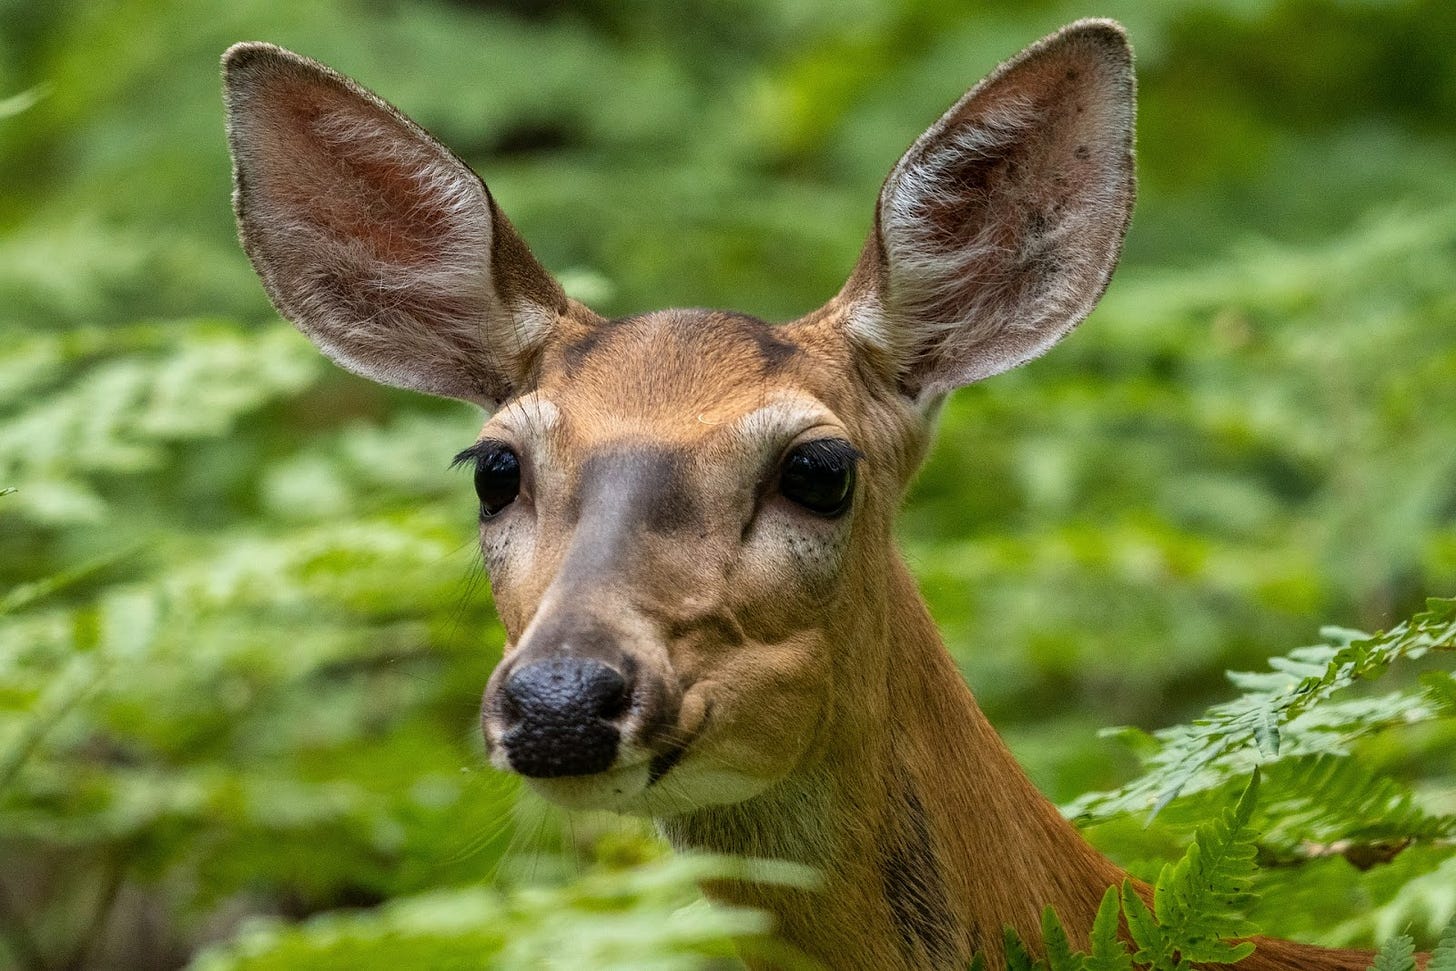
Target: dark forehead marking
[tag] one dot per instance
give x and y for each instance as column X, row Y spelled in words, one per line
column 639, row 485
column 578, row 351
column 773, row 351
column 621, row 493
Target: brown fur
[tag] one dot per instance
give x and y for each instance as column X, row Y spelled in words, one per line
column 790, row 695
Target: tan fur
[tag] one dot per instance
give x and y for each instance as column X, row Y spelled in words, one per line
column 781, row 661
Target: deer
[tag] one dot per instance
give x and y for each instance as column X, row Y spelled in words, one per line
column 686, row 515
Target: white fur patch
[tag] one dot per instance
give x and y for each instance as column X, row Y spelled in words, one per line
column 786, row 415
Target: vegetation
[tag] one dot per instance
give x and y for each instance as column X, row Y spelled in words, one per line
column 243, row 634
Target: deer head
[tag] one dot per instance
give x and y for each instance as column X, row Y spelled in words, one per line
column 686, row 514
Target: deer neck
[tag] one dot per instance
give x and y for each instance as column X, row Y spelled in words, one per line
column 929, row 837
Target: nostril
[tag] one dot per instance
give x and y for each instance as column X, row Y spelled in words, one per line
column 614, row 705
column 606, row 693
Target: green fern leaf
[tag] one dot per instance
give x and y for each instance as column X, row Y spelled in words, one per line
column 1397, row 954
column 1109, row 953
column 1154, row 947
column 1440, row 689
column 1316, row 802
column 1200, row 900
column 1059, row 955
column 1018, row 958
column 1286, row 712
column 1443, row 958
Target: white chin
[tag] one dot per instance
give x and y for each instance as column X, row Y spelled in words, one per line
column 626, row 790
column 614, row 789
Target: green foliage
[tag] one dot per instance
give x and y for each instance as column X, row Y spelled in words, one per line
column 160, row 387
column 1443, row 958
column 1317, row 801
column 242, row 630
column 1198, row 905
column 1396, row 954
column 1108, row 952
column 1199, row 901
column 1342, row 839
column 637, row 918
column 1059, row 953
column 1284, row 713
column 1018, row 958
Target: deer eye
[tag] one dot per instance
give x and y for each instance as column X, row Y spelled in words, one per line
column 819, row 475
column 497, row 474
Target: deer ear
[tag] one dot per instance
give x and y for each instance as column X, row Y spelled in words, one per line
column 377, row 242
column 997, row 232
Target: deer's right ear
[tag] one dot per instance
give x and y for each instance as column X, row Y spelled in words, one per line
column 377, row 242
column 998, row 230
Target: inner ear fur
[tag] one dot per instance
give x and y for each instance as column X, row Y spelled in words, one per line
column 376, row 241
column 997, row 232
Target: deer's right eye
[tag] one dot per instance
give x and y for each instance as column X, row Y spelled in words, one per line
column 497, row 475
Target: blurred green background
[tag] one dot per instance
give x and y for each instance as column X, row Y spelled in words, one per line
column 244, row 631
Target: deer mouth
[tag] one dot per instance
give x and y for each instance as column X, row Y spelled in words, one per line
column 631, row 785
column 662, row 764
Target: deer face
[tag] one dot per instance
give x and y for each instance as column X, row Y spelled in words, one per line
column 686, row 514
column 670, row 566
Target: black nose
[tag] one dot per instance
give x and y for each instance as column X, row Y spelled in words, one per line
column 560, row 714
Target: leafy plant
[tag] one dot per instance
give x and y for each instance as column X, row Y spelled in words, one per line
column 242, row 629
column 1286, row 712
column 1198, row 905
column 644, row 917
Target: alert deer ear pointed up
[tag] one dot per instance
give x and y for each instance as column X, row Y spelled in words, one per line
column 377, row 242
column 997, row 232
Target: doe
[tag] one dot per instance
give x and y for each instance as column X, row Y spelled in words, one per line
column 686, row 515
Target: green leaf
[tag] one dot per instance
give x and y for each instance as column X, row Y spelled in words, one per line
column 1018, row 958
column 1109, row 952
column 1396, row 954
column 1059, row 956
column 1440, row 687
column 1283, row 714
column 1154, row 948
column 1443, row 958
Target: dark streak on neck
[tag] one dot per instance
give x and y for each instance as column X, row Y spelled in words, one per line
column 915, row 887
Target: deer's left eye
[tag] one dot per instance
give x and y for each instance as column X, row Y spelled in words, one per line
column 497, row 475
column 819, row 475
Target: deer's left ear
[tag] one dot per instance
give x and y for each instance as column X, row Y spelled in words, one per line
column 997, row 232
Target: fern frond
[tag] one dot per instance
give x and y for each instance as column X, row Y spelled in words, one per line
column 1018, row 958
column 1059, row 954
column 1154, row 950
column 1425, row 903
column 122, row 414
column 1291, row 703
column 1443, row 958
column 1397, row 954
column 1199, row 901
column 1108, row 952
column 1329, row 802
